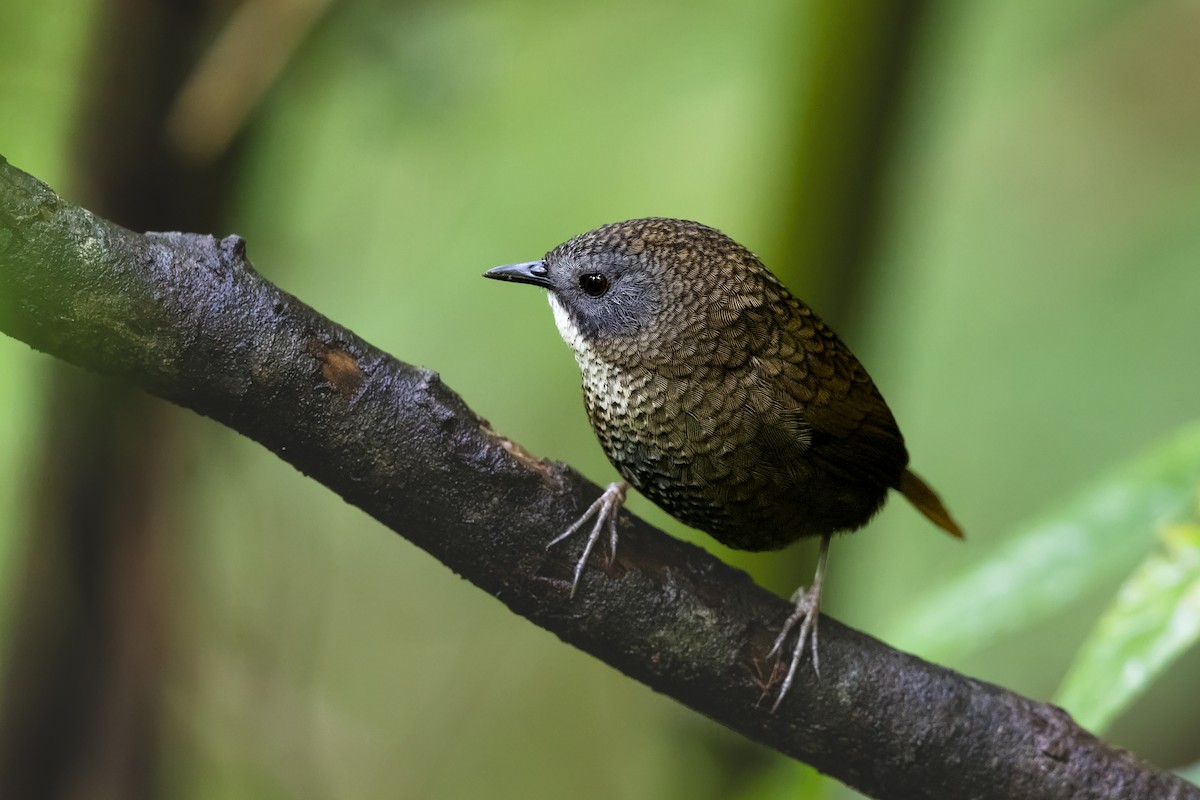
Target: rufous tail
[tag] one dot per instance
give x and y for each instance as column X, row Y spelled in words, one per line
column 928, row 503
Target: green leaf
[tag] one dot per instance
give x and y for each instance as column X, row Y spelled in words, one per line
column 1191, row 773
column 1090, row 541
column 1155, row 618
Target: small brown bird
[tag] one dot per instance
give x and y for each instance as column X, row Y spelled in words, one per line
column 721, row 397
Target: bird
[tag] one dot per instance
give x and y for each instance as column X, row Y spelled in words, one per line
column 722, row 398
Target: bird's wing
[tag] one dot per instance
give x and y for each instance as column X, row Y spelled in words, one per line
column 813, row 375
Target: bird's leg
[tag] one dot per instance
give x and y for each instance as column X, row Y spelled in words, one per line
column 605, row 510
column 808, row 609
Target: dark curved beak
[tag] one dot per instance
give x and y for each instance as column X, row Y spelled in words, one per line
column 533, row 272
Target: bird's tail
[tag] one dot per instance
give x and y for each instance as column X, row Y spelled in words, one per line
column 928, row 503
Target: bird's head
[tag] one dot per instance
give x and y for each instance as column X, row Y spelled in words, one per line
column 621, row 286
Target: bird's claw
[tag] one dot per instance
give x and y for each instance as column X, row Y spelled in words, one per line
column 806, row 613
column 605, row 509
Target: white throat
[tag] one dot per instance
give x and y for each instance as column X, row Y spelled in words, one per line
column 566, row 326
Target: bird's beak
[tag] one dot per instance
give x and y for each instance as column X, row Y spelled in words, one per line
column 534, row 272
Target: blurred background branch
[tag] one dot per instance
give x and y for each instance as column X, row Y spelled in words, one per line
column 91, row 627
column 848, row 110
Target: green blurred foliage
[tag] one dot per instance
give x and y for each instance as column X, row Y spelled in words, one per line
column 1030, row 317
column 1048, row 565
column 1154, row 619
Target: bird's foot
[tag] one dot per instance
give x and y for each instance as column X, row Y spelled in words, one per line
column 806, row 614
column 605, row 510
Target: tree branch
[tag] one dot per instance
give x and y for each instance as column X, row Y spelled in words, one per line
column 187, row 318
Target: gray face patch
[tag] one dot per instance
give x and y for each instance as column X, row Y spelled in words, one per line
column 627, row 307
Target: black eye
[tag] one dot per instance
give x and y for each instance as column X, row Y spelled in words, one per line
column 593, row 283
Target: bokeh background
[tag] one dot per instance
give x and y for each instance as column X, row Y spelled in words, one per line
column 996, row 203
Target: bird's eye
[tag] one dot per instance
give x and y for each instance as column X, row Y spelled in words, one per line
column 593, row 283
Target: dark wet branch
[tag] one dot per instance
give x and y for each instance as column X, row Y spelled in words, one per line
column 187, row 318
